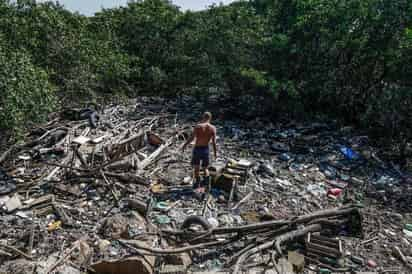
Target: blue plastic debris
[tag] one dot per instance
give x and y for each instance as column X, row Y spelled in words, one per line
column 349, row 153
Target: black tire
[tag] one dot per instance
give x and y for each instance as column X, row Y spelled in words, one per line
column 196, row 220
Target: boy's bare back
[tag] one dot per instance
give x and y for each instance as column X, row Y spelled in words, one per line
column 204, row 132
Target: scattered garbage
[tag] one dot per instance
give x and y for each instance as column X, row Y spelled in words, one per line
column 7, row 184
column 54, row 226
column 371, row 263
column 110, row 191
column 349, row 153
column 335, row 191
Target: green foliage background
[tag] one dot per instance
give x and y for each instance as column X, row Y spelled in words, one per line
column 346, row 59
column 26, row 94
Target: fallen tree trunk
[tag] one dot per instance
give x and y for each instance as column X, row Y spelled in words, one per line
column 278, row 223
column 178, row 250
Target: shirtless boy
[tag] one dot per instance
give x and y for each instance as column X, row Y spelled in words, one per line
column 203, row 133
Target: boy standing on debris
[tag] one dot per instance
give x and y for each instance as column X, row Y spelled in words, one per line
column 203, row 133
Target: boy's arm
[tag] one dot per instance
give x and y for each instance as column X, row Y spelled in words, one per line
column 214, row 142
column 191, row 138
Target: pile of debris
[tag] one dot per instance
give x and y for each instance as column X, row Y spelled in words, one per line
column 111, row 192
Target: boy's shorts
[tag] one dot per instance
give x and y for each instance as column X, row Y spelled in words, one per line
column 200, row 154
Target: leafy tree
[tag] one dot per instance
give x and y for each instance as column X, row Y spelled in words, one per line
column 26, row 95
column 346, row 59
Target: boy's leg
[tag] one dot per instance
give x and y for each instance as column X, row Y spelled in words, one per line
column 196, row 171
column 196, row 168
column 205, row 166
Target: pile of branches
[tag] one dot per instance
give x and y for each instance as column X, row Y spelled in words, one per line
column 245, row 242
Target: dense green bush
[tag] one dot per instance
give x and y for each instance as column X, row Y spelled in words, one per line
column 346, row 59
column 26, row 95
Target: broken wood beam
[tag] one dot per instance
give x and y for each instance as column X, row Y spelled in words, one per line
column 146, row 162
column 128, row 178
column 138, row 246
column 44, row 199
column 18, row 251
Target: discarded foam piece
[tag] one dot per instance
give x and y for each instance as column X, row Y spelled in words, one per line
column 13, row 203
